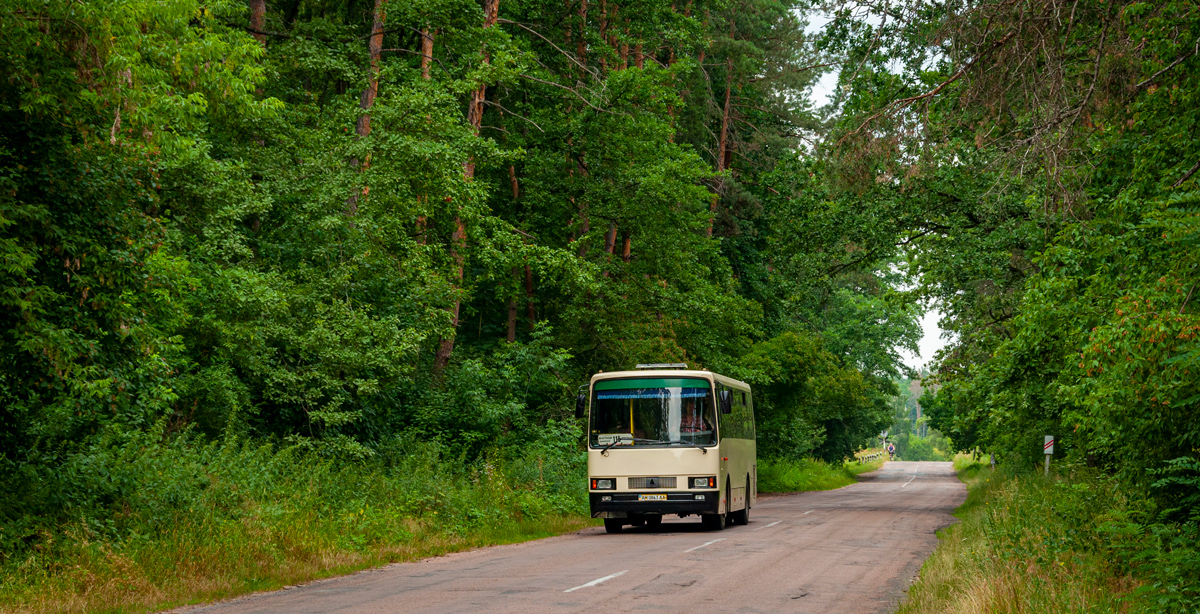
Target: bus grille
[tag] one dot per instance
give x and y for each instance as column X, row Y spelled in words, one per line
column 664, row 482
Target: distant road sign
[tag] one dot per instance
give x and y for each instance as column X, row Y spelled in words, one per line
column 1048, row 447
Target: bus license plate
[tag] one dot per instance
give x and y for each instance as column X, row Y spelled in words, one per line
column 652, row 497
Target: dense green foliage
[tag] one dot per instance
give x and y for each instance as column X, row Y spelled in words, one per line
column 1041, row 158
column 324, row 226
column 1050, row 174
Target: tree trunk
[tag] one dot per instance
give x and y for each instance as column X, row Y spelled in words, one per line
column 426, row 58
column 610, row 241
column 258, row 13
column 458, row 240
column 426, row 52
column 625, row 247
column 363, row 126
column 375, row 50
column 722, row 144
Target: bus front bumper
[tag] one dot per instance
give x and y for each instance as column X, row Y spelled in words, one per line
column 629, row 504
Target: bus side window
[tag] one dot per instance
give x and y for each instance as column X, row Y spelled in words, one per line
column 743, row 419
column 750, row 432
column 739, row 413
column 728, row 421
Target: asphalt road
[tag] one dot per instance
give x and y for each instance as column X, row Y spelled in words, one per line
column 853, row 550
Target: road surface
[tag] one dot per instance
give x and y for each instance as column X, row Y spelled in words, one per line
column 852, row 550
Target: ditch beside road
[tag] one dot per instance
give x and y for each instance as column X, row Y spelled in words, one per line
column 853, row 550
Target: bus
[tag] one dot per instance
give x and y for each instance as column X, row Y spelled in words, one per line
column 663, row 439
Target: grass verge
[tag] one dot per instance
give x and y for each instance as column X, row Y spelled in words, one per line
column 1025, row 544
column 809, row 474
column 201, row 524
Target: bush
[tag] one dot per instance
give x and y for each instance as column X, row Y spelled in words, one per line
column 784, row 475
column 922, row 449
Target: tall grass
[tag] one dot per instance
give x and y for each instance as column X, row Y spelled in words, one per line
column 1026, row 544
column 809, row 474
column 202, row 523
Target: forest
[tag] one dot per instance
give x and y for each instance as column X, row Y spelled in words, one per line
column 249, row 246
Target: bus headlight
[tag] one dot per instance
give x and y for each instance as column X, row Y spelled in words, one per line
column 603, row 484
column 708, row 482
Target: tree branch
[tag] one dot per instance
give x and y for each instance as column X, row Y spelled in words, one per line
column 1178, row 61
column 1187, row 175
column 501, row 107
column 904, row 102
column 556, row 47
column 560, row 86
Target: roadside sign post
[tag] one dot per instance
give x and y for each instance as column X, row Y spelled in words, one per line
column 1048, row 448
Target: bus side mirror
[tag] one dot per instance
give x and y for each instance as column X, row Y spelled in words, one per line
column 726, row 402
column 580, row 405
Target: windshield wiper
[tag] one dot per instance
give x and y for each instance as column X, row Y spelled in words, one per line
column 612, row 443
column 668, row 441
column 631, row 440
column 690, row 443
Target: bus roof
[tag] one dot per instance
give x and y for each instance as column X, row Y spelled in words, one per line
column 672, row 374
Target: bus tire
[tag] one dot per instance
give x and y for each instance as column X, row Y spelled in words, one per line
column 612, row 525
column 716, row 522
column 713, row 522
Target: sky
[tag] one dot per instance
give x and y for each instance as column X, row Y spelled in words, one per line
column 931, row 341
column 931, row 337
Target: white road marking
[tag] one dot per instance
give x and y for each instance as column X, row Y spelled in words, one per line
column 809, row 512
column 770, row 525
column 596, row 581
column 703, row 545
column 909, row 481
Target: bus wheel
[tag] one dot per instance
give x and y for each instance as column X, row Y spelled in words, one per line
column 716, row 522
column 612, row 525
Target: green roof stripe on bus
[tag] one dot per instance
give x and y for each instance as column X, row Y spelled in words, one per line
column 628, row 384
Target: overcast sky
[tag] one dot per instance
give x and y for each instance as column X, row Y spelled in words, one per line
column 931, row 341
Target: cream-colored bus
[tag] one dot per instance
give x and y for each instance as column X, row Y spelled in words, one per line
column 667, row 440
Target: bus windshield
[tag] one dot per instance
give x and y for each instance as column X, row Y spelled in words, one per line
column 652, row 412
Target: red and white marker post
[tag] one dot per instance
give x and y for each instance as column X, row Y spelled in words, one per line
column 1048, row 448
